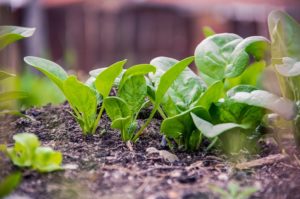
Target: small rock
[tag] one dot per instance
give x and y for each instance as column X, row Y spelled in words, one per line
column 70, row 166
column 223, row 177
column 166, row 155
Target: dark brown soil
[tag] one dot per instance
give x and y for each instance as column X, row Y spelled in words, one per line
column 106, row 168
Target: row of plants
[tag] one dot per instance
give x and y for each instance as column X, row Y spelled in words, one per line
column 222, row 103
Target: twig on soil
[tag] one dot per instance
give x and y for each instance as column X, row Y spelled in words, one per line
column 260, row 162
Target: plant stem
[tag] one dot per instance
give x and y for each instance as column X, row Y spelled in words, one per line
column 98, row 118
column 161, row 112
column 139, row 133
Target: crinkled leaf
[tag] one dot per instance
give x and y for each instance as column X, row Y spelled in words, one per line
column 105, row 80
column 167, row 79
column 83, row 100
column 52, row 70
column 227, row 55
column 9, row 183
column 260, row 98
column 47, row 160
column 134, row 91
column 23, row 151
column 184, row 91
column 12, row 95
column 4, row 75
column 209, row 130
column 11, row 34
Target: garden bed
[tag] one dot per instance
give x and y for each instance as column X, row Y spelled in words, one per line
column 102, row 166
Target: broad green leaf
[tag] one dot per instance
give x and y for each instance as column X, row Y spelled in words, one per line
column 12, row 95
column 227, row 55
column 105, row 80
column 208, row 31
column 181, row 127
column 167, row 79
column 52, row 70
column 137, row 70
column 290, row 67
column 47, row 160
column 209, row 130
column 184, row 91
column 9, row 183
column 22, row 153
column 116, row 108
column 211, row 95
column 133, row 92
column 10, row 34
column 260, row 98
column 241, row 88
column 4, row 75
column 83, row 100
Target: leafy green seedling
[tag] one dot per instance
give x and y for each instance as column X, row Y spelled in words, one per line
column 227, row 55
column 234, row 191
column 10, row 34
column 124, row 108
column 82, row 98
column 165, row 82
column 9, row 183
column 27, row 152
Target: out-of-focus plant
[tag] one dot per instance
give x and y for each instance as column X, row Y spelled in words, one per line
column 234, row 191
column 285, row 45
column 27, row 152
column 33, row 86
column 9, row 183
column 8, row 35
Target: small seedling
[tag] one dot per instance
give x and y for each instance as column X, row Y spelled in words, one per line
column 27, row 152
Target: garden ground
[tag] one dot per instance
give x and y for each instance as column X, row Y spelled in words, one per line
column 102, row 166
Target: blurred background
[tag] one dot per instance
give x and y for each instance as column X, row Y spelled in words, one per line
column 82, row 35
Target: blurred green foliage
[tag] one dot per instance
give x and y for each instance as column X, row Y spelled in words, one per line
column 40, row 90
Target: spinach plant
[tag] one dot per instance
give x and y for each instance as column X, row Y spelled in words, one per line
column 285, row 53
column 124, row 108
column 183, row 97
column 83, row 99
column 162, row 85
column 27, row 152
